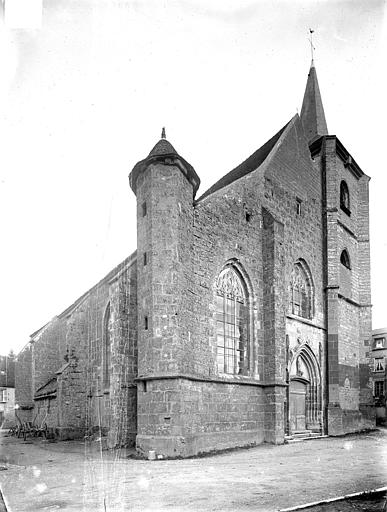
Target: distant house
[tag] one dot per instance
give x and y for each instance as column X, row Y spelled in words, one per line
column 7, row 390
column 378, row 356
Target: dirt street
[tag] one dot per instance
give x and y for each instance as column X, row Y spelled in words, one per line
column 73, row 476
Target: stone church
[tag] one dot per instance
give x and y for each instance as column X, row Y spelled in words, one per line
column 243, row 317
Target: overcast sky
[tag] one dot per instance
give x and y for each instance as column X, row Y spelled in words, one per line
column 84, row 97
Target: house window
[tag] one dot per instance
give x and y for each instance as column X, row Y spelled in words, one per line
column 106, row 348
column 344, row 198
column 344, row 259
column 3, row 395
column 379, row 364
column 301, row 291
column 232, row 322
column 378, row 389
column 379, row 343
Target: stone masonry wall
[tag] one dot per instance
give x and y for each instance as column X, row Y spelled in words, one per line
column 46, row 411
column 184, row 417
column 23, row 377
column 23, row 384
column 349, row 316
column 85, row 403
column 231, row 225
column 123, row 389
column 164, row 268
column 266, row 243
column 71, row 389
column 49, row 349
column 71, row 349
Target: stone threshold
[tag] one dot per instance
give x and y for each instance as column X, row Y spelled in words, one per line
column 305, row 435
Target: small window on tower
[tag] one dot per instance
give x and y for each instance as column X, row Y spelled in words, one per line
column 344, row 259
column 144, row 209
column 146, row 323
column 145, row 259
column 298, row 206
column 344, row 198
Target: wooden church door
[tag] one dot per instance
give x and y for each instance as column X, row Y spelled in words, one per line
column 297, row 405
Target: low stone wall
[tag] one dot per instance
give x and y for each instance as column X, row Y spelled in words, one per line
column 181, row 417
column 342, row 422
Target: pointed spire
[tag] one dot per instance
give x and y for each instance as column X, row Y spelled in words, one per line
column 163, row 136
column 312, row 111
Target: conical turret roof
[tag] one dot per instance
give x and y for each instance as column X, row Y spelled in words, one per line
column 164, row 152
column 163, row 147
column 312, row 112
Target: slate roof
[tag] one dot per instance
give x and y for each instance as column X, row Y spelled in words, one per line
column 47, row 390
column 116, row 271
column 161, row 152
column 249, row 165
column 312, row 111
column 163, row 147
column 130, row 260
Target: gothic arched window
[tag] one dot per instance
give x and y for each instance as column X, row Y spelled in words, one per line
column 344, row 198
column 344, row 259
column 301, row 291
column 106, row 357
column 232, row 322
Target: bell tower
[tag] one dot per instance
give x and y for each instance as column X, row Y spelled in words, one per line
column 348, row 399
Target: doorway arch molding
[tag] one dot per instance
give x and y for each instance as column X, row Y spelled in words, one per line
column 304, row 357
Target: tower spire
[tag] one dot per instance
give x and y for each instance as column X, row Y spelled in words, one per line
column 312, row 111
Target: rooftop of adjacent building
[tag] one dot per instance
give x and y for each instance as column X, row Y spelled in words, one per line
column 378, row 332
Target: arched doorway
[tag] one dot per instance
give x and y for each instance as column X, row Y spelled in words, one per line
column 297, row 412
column 304, row 392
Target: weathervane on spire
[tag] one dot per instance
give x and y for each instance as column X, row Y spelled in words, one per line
column 311, row 42
column 163, row 136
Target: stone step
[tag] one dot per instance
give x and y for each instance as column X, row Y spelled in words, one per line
column 315, row 435
column 302, row 433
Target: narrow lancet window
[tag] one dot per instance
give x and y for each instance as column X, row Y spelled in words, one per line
column 106, row 348
column 344, row 259
column 344, row 198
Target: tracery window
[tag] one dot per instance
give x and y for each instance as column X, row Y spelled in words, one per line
column 106, row 348
column 232, row 322
column 300, row 291
column 344, row 259
column 344, row 197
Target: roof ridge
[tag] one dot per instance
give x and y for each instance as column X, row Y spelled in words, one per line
column 252, row 163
